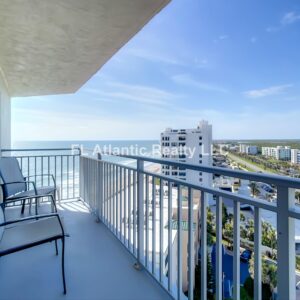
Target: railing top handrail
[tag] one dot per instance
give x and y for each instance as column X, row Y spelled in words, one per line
column 277, row 180
column 41, row 149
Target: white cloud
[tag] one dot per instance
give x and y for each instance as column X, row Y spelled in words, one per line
column 156, row 57
column 287, row 19
column 270, row 91
column 253, row 39
column 290, row 18
column 185, row 79
column 223, row 37
column 116, row 92
column 272, row 29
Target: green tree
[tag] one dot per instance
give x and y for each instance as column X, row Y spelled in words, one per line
column 269, row 272
column 224, row 214
column 254, row 189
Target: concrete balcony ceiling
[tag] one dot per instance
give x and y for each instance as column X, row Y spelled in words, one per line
column 54, row 47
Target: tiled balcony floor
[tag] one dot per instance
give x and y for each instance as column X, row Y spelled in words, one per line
column 97, row 265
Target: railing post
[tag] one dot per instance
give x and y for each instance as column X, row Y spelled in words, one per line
column 140, row 223
column 285, row 244
column 99, row 184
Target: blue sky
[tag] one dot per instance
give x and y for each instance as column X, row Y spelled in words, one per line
column 235, row 63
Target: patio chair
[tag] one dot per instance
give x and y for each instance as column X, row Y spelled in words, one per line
column 20, row 234
column 15, row 186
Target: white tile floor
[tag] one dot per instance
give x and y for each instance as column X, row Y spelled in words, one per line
column 97, row 266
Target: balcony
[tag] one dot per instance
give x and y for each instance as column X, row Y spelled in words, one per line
column 120, row 216
column 97, row 267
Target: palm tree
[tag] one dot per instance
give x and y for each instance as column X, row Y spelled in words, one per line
column 254, row 189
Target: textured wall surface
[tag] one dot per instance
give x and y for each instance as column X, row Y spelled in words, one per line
column 53, row 47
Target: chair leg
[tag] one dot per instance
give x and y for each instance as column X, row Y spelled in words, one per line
column 63, row 264
column 36, row 206
column 23, row 207
column 53, row 205
column 56, row 249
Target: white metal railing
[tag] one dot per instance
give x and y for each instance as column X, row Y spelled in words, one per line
column 62, row 163
column 139, row 206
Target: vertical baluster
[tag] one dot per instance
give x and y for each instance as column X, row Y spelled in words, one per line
column 121, row 204
column 286, row 279
column 48, row 170
column 170, row 252
column 117, row 201
column 108, row 194
column 236, row 252
column 28, row 168
column 61, row 178
column 42, row 170
column 73, row 166
column 35, row 169
column 203, row 246
column 55, row 170
column 141, row 212
column 111, row 197
column 114, row 199
column 161, row 228
column 153, row 226
column 68, row 183
column 105, row 192
column 134, row 213
column 129, row 209
column 257, row 253
column 147, row 221
column 125, row 207
column 179, row 243
column 190, row 244
column 219, row 246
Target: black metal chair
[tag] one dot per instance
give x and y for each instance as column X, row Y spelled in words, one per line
column 20, row 234
column 15, row 186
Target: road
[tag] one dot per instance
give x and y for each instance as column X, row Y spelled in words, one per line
column 247, row 164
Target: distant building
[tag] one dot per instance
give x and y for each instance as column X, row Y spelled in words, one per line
column 295, row 156
column 248, row 149
column 279, row 152
column 198, row 140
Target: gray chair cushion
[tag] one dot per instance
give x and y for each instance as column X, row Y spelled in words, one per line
column 10, row 171
column 1, row 221
column 26, row 233
column 40, row 191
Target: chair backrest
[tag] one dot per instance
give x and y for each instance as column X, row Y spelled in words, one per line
column 10, row 172
column 1, row 221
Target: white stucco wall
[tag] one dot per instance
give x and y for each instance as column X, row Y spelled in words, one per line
column 5, row 115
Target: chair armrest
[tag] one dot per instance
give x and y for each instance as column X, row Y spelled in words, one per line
column 25, row 181
column 36, row 217
column 43, row 175
column 33, row 197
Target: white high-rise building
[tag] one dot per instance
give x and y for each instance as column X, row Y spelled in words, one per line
column 279, row 152
column 192, row 146
column 295, row 156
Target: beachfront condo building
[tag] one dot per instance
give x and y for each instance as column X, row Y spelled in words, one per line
column 192, row 146
column 295, row 156
column 279, row 152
